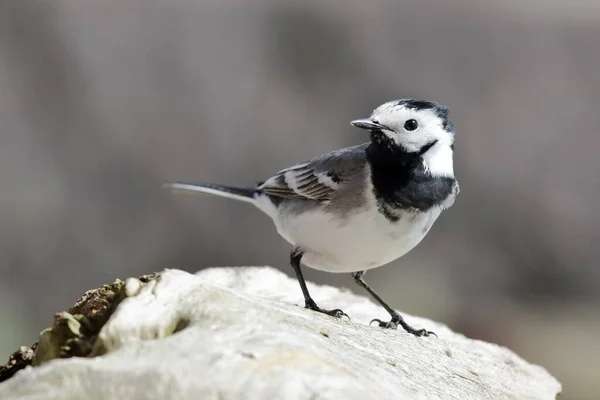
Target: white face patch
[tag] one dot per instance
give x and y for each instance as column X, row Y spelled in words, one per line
column 438, row 159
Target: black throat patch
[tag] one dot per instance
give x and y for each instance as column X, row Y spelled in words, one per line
column 400, row 182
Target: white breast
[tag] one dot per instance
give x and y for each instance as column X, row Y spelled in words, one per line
column 366, row 241
column 349, row 243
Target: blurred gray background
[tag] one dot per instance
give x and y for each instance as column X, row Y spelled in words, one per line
column 100, row 102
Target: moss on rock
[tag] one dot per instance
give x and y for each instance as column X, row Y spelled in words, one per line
column 74, row 331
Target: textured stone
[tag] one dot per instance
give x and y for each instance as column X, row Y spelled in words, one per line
column 235, row 333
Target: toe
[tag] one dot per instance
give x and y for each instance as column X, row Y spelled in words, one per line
column 384, row 324
column 338, row 313
column 391, row 325
column 423, row 332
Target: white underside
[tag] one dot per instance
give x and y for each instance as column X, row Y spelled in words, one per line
column 335, row 243
column 366, row 241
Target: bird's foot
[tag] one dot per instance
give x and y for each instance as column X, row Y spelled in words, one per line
column 311, row 305
column 398, row 320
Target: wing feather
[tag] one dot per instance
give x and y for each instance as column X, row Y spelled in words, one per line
column 318, row 179
column 299, row 184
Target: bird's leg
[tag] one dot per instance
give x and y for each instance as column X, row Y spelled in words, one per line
column 396, row 317
column 309, row 303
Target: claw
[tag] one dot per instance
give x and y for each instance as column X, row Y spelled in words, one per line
column 337, row 313
column 423, row 332
column 383, row 324
column 398, row 320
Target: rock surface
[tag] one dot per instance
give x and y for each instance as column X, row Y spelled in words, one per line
column 236, row 333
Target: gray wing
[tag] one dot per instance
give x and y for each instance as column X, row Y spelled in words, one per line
column 318, row 179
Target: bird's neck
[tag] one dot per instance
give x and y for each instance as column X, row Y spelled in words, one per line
column 409, row 180
column 435, row 159
column 392, row 169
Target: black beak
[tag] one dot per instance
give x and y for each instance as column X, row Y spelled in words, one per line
column 367, row 124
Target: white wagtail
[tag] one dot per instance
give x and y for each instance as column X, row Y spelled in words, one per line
column 363, row 206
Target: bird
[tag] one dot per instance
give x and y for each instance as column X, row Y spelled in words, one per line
column 364, row 206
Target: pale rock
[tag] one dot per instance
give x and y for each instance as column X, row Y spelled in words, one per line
column 237, row 333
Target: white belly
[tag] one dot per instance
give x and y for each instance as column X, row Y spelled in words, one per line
column 336, row 244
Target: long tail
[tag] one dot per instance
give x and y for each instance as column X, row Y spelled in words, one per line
column 231, row 192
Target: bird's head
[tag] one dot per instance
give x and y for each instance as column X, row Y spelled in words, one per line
column 414, row 127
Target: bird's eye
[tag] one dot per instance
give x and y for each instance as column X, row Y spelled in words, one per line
column 411, row 125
